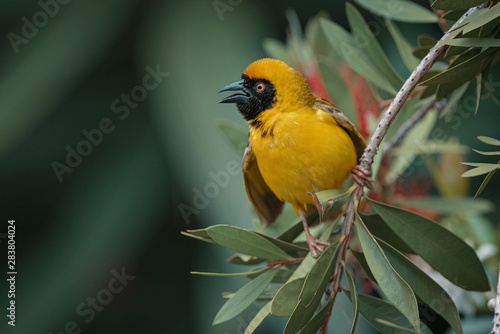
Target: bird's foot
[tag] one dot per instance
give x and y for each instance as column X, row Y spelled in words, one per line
column 315, row 245
column 362, row 177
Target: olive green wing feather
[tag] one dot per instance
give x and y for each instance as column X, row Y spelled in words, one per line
column 265, row 202
column 345, row 123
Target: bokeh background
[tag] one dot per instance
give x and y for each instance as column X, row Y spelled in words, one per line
column 118, row 209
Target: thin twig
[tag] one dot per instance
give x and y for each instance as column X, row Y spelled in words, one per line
column 438, row 103
column 372, row 148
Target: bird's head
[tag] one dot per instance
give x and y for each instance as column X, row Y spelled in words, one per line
column 269, row 83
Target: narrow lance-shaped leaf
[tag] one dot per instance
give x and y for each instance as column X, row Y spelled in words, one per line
column 318, row 320
column 464, row 71
column 246, row 242
column 251, row 272
column 489, row 140
column 481, row 18
column 331, row 200
column 455, row 4
column 343, row 43
column 484, row 183
column 244, row 297
column 486, row 152
column 430, row 292
column 379, row 228
column 285, row 300
column 402, row 10
column 473, row 42
column 362, row 35
column 390, row 282
column 313, row 289
column 404, row 48
column 442, row 249
column 480, row 170
column 354, row 298
column 257, row 320
column 373, row 308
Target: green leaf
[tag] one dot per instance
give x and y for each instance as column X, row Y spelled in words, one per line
column 257, row 320
column 402, row 10
column 244, row 297
column 390, row 282
column 360, row 257
column 321, row 270
column 481, row 18
column 455, row 4
column 332, row 200
column 379, row 228
column 286, row 246
column 313, row 289
column 296, row 229
column 200, row 234
column 473, row 42
column 235, row 134
column 417, row 135
column 362, row 34
column 489, row 140
column 318, row 320
column 404, row 48
column 484, row 183
column 442, row 249
column 458, row 205
column 430, row 292
column 244, row 259
column 454, row 99
column 390, row 324
column 464, row 71
column 255, row 271
column 487, row 153
column 343, row 42
column 483, row 169
column 354, row 298
column 373, row 308
column 276, row 49
column 246, row 242
column 426, row 40
column 287, row 297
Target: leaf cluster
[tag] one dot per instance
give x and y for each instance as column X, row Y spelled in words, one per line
column 292, row 283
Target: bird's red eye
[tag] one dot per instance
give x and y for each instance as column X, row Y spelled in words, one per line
column 260, row 87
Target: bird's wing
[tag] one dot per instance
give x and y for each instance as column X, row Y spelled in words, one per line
column 265, row 202
column 345, row 123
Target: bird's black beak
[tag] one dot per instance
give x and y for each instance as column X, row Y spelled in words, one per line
column 236, row 98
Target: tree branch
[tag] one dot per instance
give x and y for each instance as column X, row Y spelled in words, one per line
column 372, row 148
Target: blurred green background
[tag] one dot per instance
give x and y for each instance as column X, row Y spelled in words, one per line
column 117, row 209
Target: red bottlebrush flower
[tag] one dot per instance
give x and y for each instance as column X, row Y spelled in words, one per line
column 365, row 103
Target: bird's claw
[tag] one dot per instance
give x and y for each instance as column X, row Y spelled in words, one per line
column 315, row 245
column 362, row 177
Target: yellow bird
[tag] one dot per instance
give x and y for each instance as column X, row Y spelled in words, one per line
column 298, row 143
